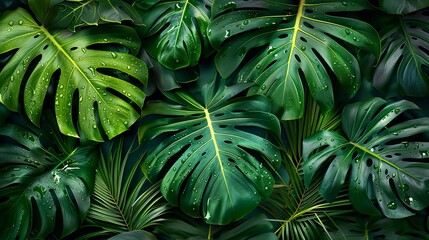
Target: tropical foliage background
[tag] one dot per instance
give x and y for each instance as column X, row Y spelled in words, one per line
column 214, row 119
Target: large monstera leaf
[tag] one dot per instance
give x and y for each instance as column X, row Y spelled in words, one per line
column 386, row 165
column 211, row 150
column 74, row 14
column 404, row 64
column 176, row 31
column 42, row 192
column 104, row 103
column 289, row 43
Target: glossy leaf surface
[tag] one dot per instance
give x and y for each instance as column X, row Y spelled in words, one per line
column 253, row 227
column 206, row 149
column 42, row 193
column 103, row 102
column 176, row 31
column 73, row 14
column 404, row 64
column 402, row 6
column 293, row 44
column 386, row 165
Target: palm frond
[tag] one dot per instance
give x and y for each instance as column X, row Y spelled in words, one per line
column 301, row 212
column 123, row 199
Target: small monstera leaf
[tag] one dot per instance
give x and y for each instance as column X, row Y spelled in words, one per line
column 385, row 163
column 289, row 43
column 104, row 103
column 404, row 64
column 74, row 14
column 211, row 150
column 42, row 193
column 176, row 31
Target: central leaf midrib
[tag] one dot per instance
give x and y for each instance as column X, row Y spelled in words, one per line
column 71, row 60
column 217, row 151
column 365, row 150
column 293, row 41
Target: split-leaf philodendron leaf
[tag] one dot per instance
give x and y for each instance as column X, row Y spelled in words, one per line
column 290, row 43
column 385, row 165
column 176, row 31
column 212, row 151
column 104, row 103
column 72, row 14
column 403, row 67
column 42, row 193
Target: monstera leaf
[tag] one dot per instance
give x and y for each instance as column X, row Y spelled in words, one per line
column 103, row 103
column 176, row 31
column 74, row 14
column 401, row 6
column 288, row 44
column 253, row 226
column 404, row 64
column 210, row 149
column 363, row 227
column 384, row 161
column 42, row 193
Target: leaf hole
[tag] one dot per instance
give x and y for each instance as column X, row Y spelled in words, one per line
column 308, row 25
column 198, row 137
column 73, row 48
column 425, row 50
column 228, row 141
column 45, row 47
column 37, row 35
column 367, row 140
column 310, row 11
column 223, row 126
column 369, row 162
column 282, row 36
column 297, row 58
column 303, row 39
column 231, row 160
column 219, row 115
column 196, row 124
column 389, row 156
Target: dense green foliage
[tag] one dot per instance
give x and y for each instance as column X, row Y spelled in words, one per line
column 214, row 119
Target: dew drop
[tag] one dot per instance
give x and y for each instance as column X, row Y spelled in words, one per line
column 263, row 87
column 114, row 55
column 20, row 22
column 92, row 70
column 303, row 48
column 11, row 23
column 347, row 31
column 391, row 205
column 245, row 22
column 227, row 33
column 83, row 50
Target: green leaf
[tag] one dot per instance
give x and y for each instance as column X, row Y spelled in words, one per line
column 289, row 44
column 252, row 227
column 363, row 227
column 103, row 103
column 404, row 62
column 213, row 152
column 123, row 199
column 42, row 193
column 134, row 235
column 40, row 8
column 385, row 163
column 73, row 14
column 401, row 6
column 176, row 31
